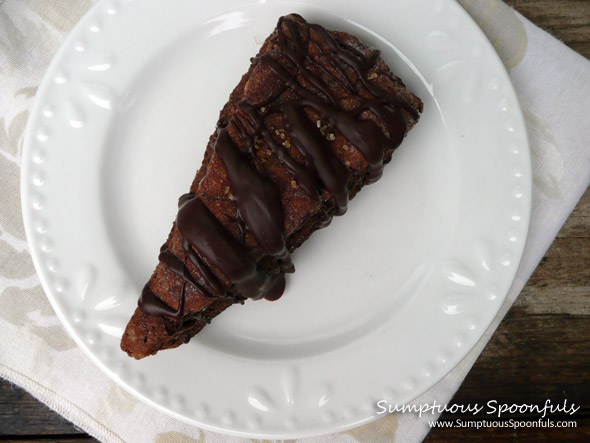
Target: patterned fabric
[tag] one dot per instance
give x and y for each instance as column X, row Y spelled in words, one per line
column 37, row 354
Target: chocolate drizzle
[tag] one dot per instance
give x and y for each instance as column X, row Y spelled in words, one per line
column 365, row 135
column 206, row 242
column 201, row 230
column 152, row 305
column 305, row 177
column 258, row 200
column 179, row 268
column 318, row 154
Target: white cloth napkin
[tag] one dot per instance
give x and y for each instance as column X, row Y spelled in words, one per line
column 553, row 84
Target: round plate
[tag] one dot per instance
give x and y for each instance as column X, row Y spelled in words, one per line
column 384, row 303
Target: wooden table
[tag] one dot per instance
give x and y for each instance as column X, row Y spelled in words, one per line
column 541, row 349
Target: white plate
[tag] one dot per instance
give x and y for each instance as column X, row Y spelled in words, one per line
column 384, row 303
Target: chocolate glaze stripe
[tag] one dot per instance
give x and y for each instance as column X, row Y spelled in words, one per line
column 150, row 304
column 154, row 306
column 258, row 200
column 318, row 154
column 200, row 229
column 305, row 177
column 300, row 55
column 216, row 289
column 178, row 267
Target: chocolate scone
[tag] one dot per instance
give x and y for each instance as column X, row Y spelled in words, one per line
column 313, row 120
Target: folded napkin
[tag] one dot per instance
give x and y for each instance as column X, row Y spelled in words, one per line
column 553, row 85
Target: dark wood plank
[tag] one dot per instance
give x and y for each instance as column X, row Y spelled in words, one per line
column 49, row 439
column 22, row 415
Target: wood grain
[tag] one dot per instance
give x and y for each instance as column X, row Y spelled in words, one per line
column 22, row 415
column 540, row 350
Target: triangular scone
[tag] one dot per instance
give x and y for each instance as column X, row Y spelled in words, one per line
column 313, row 120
